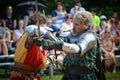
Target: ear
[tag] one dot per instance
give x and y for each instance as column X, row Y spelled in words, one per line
column 86, row 27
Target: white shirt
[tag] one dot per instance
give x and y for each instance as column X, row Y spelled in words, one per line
column 72, row 10
column 18, row 33
column 66, row 27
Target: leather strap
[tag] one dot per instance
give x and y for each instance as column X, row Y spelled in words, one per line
column 26, row 70
column 77, row 70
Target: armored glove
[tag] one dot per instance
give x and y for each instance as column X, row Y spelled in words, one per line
column 48, row 44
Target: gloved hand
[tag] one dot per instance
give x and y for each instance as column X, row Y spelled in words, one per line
column 39, row 41
column 48, row 44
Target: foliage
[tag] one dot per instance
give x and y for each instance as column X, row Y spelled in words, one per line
column 103, row 6
column 52, row 4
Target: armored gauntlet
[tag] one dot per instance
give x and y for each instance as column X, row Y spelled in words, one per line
column 48, row 44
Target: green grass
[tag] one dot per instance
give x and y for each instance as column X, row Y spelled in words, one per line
column 109, row 76
column 56, row 77
column 113, row 76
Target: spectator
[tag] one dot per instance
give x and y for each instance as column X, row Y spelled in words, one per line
column 3, row 44
column 96, row 19
column 49, row 23
column 9, row 22
column 29, row 12
column 49, row 20
column 77, row 7
column 68, row 24
column 58, row 16
column 103, row 23
column 103, row 26
column 108, row 47
column 18, row 33
column 114, row 23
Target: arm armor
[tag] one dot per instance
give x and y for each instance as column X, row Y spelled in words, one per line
column 85, row 43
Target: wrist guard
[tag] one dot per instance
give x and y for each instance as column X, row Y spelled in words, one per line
column 57, row 45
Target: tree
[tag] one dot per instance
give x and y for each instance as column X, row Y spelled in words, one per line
column 103, row 6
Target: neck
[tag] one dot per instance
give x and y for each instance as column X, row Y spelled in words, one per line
column 68, row 22
column 9, row 16
column 59, row 10
column 21, row 29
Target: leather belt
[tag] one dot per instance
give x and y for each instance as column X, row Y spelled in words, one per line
column 77, row 70
column 26, row 70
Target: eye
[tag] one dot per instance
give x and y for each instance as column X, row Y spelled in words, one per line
column 77, row 24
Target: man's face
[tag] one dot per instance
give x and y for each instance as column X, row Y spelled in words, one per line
column 78, row 26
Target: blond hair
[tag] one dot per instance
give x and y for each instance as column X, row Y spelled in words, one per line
column 84, row 17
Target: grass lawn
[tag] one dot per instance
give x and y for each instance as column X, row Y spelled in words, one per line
column 56, row 77
column 113, row 76
column 109, row 76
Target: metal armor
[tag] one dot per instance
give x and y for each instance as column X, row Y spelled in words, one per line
column 81, row 43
